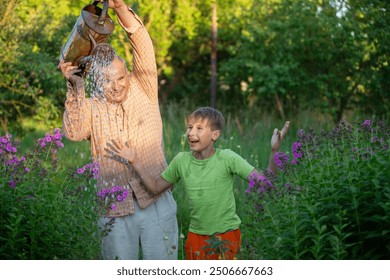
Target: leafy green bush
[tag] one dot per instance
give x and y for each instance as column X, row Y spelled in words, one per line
column 47, row 212
column 329, row 201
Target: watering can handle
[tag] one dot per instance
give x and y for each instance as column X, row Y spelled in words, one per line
column 102, row 17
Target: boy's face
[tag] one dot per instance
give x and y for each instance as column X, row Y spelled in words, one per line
column 117, row 84
column 200, row 137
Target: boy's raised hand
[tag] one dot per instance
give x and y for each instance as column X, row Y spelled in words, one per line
column 121, row 151
column 278, row 136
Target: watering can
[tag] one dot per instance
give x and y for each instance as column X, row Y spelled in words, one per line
column 92, row 27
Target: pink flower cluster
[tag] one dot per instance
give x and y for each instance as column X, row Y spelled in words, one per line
column 261, row 182
column 6, row 145
column 54, row 138
column 297, row 152
column 14, row 166
column 367, row 124
column 281, row 160
column 110, row 196
column 92, row 168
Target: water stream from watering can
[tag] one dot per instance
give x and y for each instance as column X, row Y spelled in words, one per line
column 97, row 66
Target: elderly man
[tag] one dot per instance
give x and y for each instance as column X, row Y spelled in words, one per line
column 124, row 105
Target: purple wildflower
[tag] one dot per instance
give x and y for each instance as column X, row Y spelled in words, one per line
column 95, row 172
column 49, row 138
column 262, row 183
column 252, row 183
column 281, row 160
column 116, row 189
column 9, row 148
column 301, row 133
column 87, row 166
column 297, row 151
column 103, row 193
column 59, row 144
column 125, row 194
column 367, row 123
column 90, row 169
column 57, row 136
column 108, row 197
column 309, row 138
column 13, row 161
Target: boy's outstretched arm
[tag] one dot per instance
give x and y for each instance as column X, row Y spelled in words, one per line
column 260, row 178
column 118, row 149
column 276, row 141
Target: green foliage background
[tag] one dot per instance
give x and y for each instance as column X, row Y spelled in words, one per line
column 282, row 56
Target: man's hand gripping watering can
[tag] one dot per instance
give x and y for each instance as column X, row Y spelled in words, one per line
column 92, row 27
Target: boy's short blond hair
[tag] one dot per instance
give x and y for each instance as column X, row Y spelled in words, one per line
column 213, row 116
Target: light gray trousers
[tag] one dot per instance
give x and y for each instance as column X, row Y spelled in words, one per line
column 154, row 229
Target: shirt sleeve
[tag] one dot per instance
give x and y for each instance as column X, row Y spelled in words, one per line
column 76, row 123
column 238, row 165
column 172, row 172
column 144, row 72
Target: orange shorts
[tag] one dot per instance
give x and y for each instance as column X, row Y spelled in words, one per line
column 223, row 246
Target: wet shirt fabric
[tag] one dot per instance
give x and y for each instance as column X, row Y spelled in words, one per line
column 137, row 119
column 209, row 188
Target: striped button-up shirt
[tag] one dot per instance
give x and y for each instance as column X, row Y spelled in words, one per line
column 137, row 120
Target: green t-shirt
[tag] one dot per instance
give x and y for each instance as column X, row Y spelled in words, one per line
column 209, row 188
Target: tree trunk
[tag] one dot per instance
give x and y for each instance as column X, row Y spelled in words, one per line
column 213, row 86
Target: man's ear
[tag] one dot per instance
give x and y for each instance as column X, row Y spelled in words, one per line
column 216, row 134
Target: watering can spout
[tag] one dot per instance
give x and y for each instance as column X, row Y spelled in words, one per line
column 93, row 26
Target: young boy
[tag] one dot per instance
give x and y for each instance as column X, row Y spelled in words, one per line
column 208, row 176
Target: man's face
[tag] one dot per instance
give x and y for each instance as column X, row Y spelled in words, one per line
column 117, row 81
